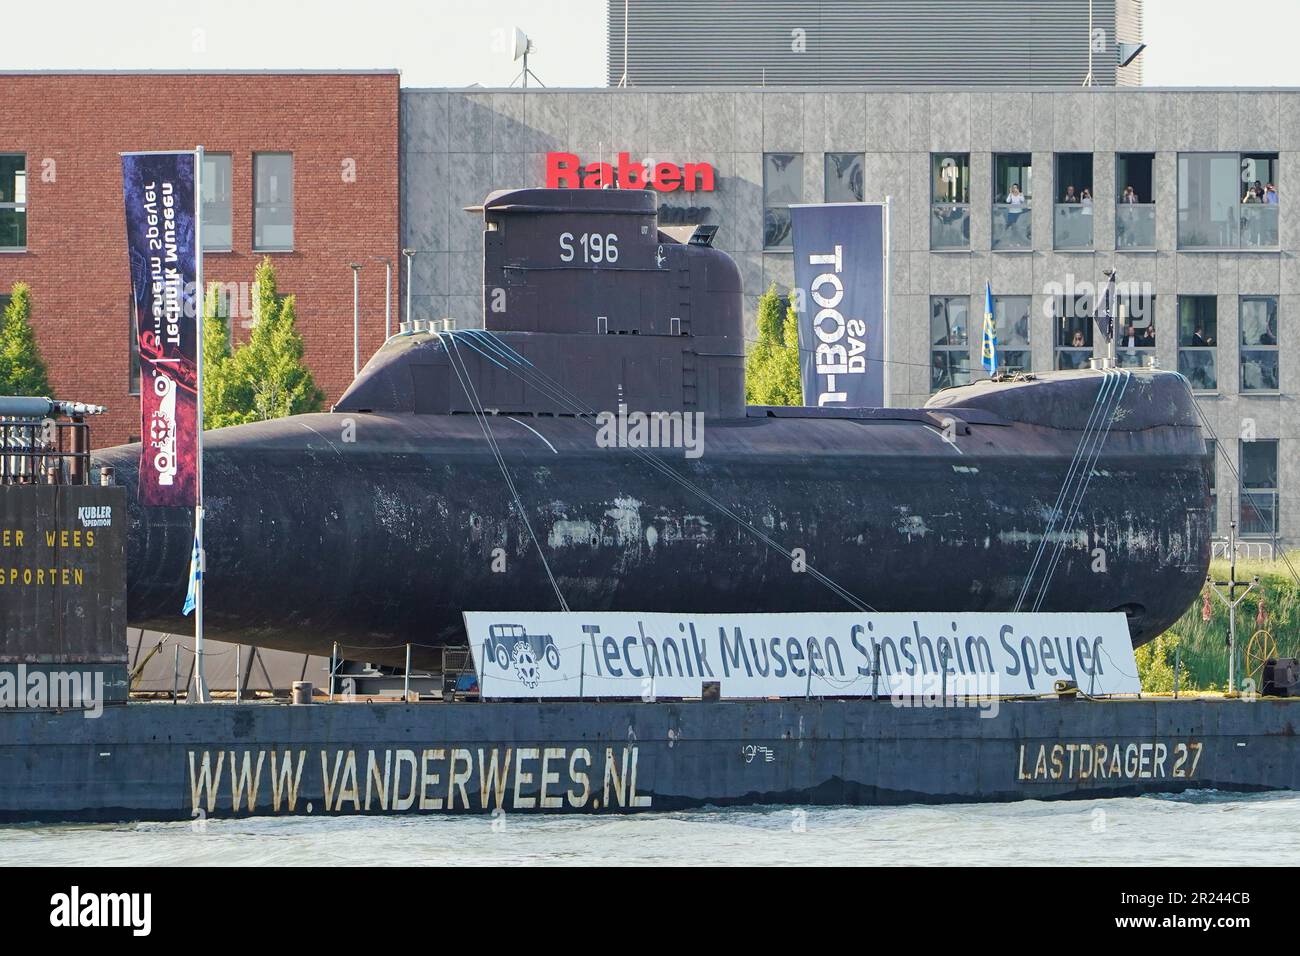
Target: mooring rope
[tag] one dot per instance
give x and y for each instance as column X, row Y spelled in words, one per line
column 524, row 369
column 1076, row 503
column 1098, row 404
column 471, row 394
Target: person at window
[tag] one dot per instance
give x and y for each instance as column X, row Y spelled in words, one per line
column 1146, row 338
column 1077, row 342
column 1070, row 196
column 1199, row 338
column 1130, row 196
column 1270, row 194
column 1251, row 196
column 1085, row 198
column 1014, row 196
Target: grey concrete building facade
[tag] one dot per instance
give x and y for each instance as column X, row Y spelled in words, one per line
column 1217, row 276
column 855, row 42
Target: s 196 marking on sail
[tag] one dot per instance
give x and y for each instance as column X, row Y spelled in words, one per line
column 596, row 247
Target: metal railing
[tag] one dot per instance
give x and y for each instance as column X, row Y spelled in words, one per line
column 1012, row 226
column 1073, row 226
column 38, row 449
column 1135, row 226
column 949, row 225
column 1259, row 225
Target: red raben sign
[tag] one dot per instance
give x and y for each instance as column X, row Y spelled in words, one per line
column 566, row 171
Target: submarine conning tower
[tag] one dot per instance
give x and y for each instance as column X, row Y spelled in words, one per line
column 581, row 287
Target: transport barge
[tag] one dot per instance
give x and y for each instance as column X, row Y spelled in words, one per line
column 164, row 762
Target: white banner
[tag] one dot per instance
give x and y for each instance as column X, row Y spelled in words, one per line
column 623, row 654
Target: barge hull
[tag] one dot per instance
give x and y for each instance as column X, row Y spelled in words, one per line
column 193, row 762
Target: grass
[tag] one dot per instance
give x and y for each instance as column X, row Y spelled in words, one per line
column 1204, row 643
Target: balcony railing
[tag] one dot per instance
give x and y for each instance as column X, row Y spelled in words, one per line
column 1135, row 225
column 949, row 226
column 1011, row 226
column 1134, row 357
column 1073, row 226
column 1259, row 226
column 1259, row 513
column 1242, row 226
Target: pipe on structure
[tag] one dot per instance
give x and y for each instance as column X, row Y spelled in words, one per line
column 23, row 406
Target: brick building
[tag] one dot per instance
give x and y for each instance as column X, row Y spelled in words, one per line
column 301, row 166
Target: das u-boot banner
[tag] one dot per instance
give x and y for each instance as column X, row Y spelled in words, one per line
column 161, row 232
column 624, row 654
column 840, row 253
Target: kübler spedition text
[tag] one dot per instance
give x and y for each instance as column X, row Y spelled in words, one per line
column 1049, row 656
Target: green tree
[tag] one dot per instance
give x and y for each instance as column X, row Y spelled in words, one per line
column 216, row 354
column 285, row 385
column 22, row 371
column 1155, row 663
column 772, row 366
column 264, row 377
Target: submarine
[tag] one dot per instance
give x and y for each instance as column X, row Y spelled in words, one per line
column 590, row 448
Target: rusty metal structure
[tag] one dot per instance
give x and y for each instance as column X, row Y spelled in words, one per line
column 43, row 441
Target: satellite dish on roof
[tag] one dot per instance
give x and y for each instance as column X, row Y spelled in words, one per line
column 522, row 45
column 1128, row 52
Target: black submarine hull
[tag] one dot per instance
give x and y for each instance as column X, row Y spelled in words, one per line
column 378, row 530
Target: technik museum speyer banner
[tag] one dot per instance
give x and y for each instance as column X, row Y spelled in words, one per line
column 557, row 654
column 161, row 238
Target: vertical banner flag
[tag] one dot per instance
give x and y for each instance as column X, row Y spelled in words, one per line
column 1104, row 314
column 989, row 344
column 839, row 276
column 161, row 241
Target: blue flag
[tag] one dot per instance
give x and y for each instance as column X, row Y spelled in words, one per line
column 989, row 348
column 196, row 572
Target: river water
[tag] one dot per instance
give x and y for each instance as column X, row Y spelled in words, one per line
column 1204, row 828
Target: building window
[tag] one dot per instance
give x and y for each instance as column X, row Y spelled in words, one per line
column 13, row 201
column 272, row 202
column 844, row 177
column 1135, row 215
column 216, row 202
column 1073, row 330
column 1012, row 196
column 1011, row 319
column 1135, row 324
column 1227, row 201
column 950, row 200
column 1212, row 450
column 1072, row 212
column 133, row 347
column 782, row 185
column 1198, row 341
column 1258, row 320
column 1259, row 487
column 949, row 341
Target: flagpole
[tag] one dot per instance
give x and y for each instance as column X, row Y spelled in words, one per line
column 200, row 685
